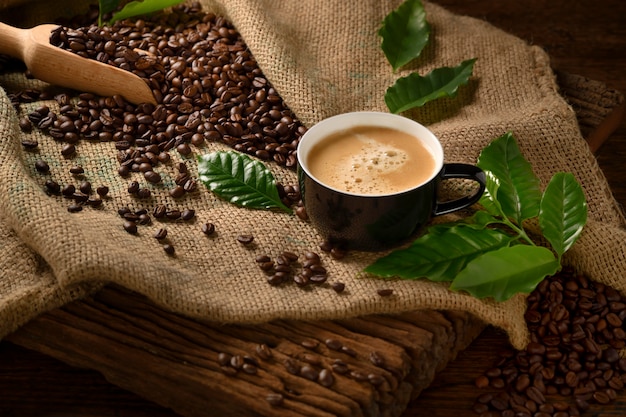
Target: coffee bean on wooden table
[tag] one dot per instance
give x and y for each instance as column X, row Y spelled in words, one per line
column 572, row 360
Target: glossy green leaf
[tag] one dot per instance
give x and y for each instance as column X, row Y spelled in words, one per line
column 502, row 273
column 240, row 180
column 480, row 220
column 136, row 8
column 519, row 192
column 415, row 91
column 106, row 6
column 489, row 199
column 563, row 212
column 440, row 255
column 405, row 32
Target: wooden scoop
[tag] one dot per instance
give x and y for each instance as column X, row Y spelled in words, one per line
column 60, row 67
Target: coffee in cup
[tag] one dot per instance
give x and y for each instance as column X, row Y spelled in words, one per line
column 371, row 160
column 369, row 180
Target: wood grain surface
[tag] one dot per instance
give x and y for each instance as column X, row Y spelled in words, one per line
column 581, row 37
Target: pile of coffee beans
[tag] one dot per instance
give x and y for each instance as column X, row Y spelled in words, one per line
column 575, row 357
column 206, row 82
column 208, row 88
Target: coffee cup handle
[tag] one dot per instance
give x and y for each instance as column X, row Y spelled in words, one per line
column 462, row 171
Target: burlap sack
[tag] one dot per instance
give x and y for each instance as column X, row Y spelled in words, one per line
column 324, row 58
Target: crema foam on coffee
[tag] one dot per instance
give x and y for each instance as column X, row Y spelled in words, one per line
column 371, row 160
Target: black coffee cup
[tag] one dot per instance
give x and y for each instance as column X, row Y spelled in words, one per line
column 381, row 220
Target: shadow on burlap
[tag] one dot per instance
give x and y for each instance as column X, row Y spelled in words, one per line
column 323, row 58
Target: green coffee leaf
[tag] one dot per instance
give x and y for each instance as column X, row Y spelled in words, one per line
column 502, row 273
column 563, row 212
column 519, row 192
column 489, row 199
column 415, row 91
column 440, row 255
column 240, row 180
column 405, row 33
column 136, row 8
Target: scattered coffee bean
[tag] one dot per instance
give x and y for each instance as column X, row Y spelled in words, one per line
column 77, row 170
column 42, row 166
column 310, row 344
column 68, row 150
column 30, row 144
column 187, row 214
column 263, row 351
column 326, row 378
column 74, row 208
column 309, row 372
column 245, row 239
column 208, row 229
column 52, row 187
column 25, row 124
column 160, row 234
column 333, row 344
column 130, row 227
column 169, row 249
column 385, row 292
column 339, row 287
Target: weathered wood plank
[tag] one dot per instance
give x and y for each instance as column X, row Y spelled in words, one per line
column 175, row 361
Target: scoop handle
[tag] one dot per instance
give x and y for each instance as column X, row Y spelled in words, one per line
column 12, row 41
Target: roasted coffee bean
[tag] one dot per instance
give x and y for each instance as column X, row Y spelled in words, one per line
column 102, row 190
column 333, row 344
column 85, row 187
column 237, row 361
column 249, row 368
column 310, row 344
column 187, row 214
column 326, row 378
column 68, row 150
column 152, row 176
column 169, row 249
column 30, row 144
column 318, row 279
column 160, row 234
column 292, row 366
column 309, row 372
column 74, row 208
column 52, row 187
column 301, row 280
column 385, row 292
column 339, row 287
column 130, row 227
column 42, row 166
column 263, row 351
column 25, row 124
column 245, row 239
column 133, row 187
column 177, row 192
column 266, row 266
column 208, row 229
column 159, row 211
column 94, row 201
column 340, row 367
column 223, row 359
column 77, row 170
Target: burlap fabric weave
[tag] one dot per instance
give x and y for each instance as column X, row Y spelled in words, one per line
column 324, row 58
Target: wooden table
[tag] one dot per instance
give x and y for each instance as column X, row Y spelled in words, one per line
column 583, row 38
